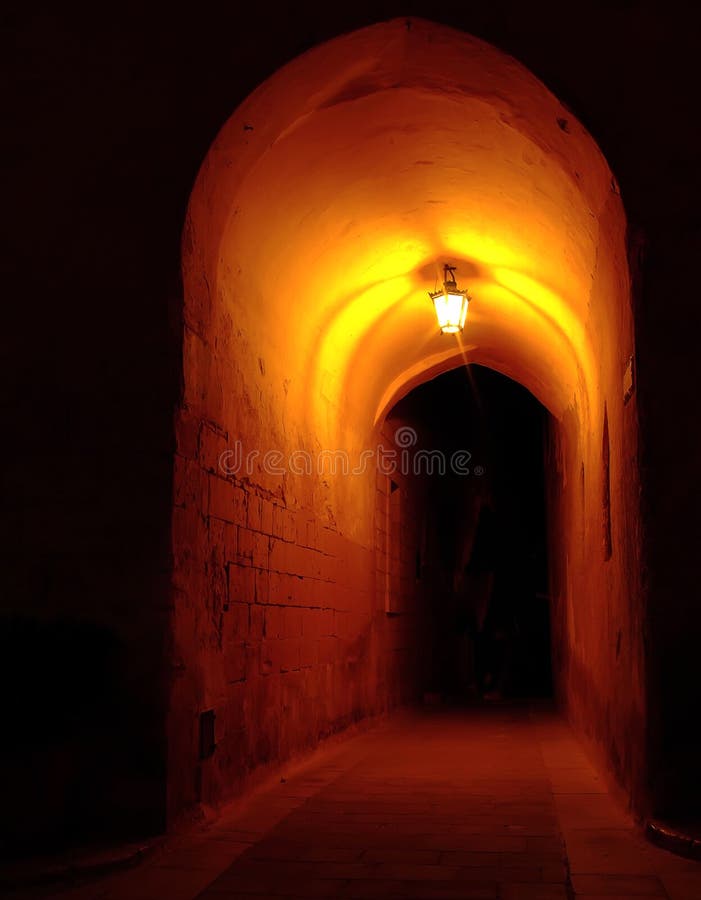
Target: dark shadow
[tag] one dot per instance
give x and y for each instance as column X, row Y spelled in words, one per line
column 487, row 521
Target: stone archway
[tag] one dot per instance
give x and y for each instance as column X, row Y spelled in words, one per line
column 321, row 216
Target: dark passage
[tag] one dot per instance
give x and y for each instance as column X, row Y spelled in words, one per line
column 491, row 629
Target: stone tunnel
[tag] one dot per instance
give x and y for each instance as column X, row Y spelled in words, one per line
column 294, row 576
column 317, row 225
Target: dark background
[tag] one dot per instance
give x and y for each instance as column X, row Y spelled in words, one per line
column 502, row 426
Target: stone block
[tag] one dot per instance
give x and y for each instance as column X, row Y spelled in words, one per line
column 242, row 584
column 187, row 432
column 220, row 504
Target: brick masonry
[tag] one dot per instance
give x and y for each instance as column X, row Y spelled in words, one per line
column 281, row 622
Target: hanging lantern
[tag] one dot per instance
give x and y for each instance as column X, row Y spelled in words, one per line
column 450, row 303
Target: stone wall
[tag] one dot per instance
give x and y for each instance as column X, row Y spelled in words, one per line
column 280, row 623
column 600, row 636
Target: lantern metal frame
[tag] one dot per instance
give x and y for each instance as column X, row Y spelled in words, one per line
column 454, row 325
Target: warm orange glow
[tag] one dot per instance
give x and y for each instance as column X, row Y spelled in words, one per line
column 365, row 166
column 317, row 227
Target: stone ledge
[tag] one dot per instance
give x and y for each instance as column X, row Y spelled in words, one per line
column 681, row 840
column 75, row 866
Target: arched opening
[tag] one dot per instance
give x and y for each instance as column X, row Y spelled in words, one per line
column 321, row 217
column 474, row 556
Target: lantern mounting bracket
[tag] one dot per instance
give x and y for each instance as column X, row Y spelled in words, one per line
column 449, row 274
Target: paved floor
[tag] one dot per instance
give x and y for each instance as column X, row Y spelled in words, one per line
column 496, row 802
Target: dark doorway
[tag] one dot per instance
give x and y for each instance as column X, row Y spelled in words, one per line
column 486, row 511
